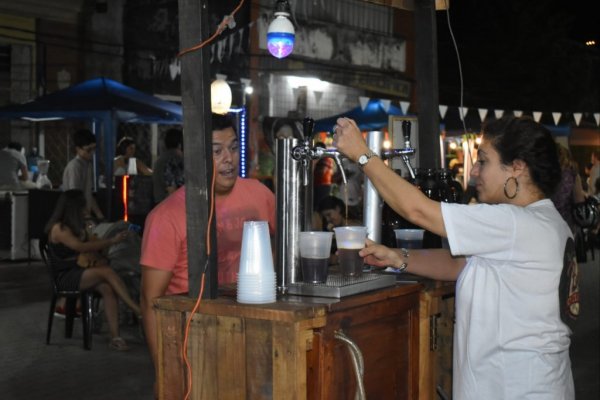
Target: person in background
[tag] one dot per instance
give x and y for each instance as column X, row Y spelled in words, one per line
column 333, row 212
column 171, row 160
column 324, row 169
column 594, row 172
column 13, row 167
column 79, row 174
column 511, row 257
column 352, row 191
column 164, row 247
column 569, row 190
column 67, row 239
column 125, row 151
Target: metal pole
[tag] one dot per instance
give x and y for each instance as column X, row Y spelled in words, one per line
column 372, row 202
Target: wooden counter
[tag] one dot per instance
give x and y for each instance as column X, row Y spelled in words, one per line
column 287, row 349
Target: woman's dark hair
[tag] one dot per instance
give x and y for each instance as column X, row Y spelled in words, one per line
column 123, row 144
column 526, row 140
column 331, row 203
column 69, row 212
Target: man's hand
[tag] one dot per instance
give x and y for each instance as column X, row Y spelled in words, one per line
column 380, row 256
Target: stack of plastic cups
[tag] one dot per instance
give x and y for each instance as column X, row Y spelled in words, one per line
column 256, row 277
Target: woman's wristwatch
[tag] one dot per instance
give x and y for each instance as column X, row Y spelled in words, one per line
column 404, row 264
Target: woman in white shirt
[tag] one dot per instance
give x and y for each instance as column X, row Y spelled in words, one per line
column 509, row 256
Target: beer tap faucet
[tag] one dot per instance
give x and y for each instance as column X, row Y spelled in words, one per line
column 405, row 152
column 305, row 153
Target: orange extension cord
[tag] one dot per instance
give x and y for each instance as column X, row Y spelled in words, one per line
column 219, row 30
column 197, row 305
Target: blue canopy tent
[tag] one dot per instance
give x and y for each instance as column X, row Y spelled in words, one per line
column 104, row 103
column 373, row 117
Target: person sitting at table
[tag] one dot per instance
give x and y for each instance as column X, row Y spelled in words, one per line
column 126, row 151
column 71, row 251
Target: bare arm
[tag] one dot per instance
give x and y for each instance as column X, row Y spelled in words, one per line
column 24, row 173
column 154, row 285
column 142, row 168
column 66, row 237
column 436, row 264
column 578, row 193
column 399, row 194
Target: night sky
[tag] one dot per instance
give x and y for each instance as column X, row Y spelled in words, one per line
column 521, row 54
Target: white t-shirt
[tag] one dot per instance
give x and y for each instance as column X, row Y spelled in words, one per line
column 509, row 340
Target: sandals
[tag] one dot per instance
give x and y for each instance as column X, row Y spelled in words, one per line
column 118, row 344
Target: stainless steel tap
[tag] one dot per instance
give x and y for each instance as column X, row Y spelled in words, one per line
column 305, row 153
column 405, row 152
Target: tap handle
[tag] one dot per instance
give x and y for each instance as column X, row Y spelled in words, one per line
column 406, row 127
column 308, row 126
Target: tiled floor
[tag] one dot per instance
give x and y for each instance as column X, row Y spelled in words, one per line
column 31, row 370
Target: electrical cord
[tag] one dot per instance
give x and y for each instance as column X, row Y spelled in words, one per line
column 199, row 300
column 227, row 22
column 357, row 362
column 462, row 85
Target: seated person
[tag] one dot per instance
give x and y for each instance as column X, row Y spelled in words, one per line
column 66, row 242
column 164, row 243
column 125, row 151
column 335, row 213
column 13, row 167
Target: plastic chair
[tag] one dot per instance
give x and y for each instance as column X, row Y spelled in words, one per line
column 89, row 303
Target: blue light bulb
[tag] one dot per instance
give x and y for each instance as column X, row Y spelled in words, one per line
column 280, row 44
column 280, row 36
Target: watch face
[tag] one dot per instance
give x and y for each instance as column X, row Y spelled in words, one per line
column 362, row 160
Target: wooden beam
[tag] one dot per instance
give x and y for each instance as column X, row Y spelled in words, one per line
column 427, row 89
column 197, row 139
column 410, row 4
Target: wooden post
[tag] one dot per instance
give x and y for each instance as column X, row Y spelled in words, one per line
column 197, row 138
column 426, row 64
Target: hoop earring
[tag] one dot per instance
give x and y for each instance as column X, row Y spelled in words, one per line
column 516, row 189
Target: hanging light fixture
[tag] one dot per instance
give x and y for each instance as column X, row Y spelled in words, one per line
column 281, row 34
column 220, row 96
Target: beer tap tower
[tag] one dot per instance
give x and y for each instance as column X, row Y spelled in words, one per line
column 294, row 214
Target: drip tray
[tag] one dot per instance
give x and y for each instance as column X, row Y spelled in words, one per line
column 338, row 286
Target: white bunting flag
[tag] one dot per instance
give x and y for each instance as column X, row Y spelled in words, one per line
column 463, row 111
column 556, row 116
column 318, row 95
column 577, row 118
column 404, row 106
column 518, row 113
column 363, row 102
column 386, row 104
column 443, row 110
column 341, row 99
column 537, row 115
column 482, row 113
column 597, row 118
column 498, row 113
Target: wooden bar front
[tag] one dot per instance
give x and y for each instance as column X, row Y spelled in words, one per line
column 288, row 349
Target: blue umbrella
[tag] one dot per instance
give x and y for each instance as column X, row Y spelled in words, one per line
column 372, row 118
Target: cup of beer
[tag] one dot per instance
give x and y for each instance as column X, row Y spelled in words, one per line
column 315, row 248
column 350, row 239
column 409, row 238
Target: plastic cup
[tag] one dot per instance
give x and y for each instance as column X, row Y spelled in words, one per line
column 315, row 248
column 256, row 256
column 409, row 238
column 256, row 276
column 350, row 239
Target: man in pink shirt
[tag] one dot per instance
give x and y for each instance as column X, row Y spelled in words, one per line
column 164, row 246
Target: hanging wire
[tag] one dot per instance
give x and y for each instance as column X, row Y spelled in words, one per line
column 228, row 22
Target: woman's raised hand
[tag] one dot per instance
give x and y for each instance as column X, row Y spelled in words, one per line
column 348, row 139
column 379, row 255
